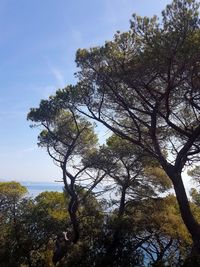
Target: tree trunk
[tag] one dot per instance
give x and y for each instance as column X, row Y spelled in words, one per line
column 73, row 207
column 110, row 256
column 185, row 210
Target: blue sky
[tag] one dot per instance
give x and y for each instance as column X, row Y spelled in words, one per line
column 38, row 42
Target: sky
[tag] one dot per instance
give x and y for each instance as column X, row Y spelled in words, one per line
column 38, row 42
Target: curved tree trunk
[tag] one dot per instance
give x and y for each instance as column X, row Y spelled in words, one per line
column 185, row 210
column 73, row 207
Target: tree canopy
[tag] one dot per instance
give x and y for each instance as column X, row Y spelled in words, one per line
column 144, row 87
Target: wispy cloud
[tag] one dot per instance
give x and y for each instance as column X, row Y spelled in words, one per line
column 58, row 76
column 43, row 91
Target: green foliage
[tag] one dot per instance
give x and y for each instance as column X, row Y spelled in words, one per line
column 64, row 129
column 11, row 192
column 54, row 204
column 146, row 224
column 195, row 173
column 144, row 87
column 30, row 229
column 167, row 241
column 195, row 196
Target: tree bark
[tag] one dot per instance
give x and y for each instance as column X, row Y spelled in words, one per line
column 73, row 207
column 185, row 210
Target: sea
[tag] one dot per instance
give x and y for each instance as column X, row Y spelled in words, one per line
column 35, row 188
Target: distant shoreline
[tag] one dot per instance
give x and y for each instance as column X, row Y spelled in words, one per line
column 35, row 188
